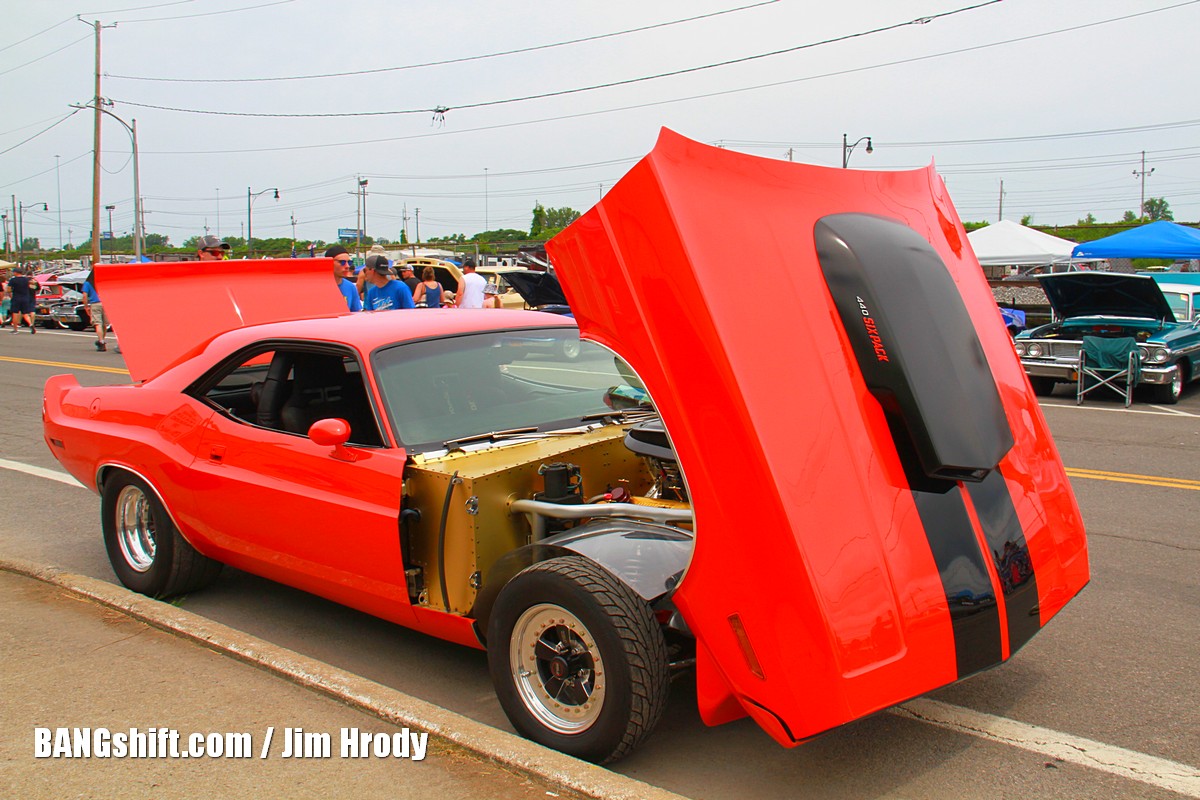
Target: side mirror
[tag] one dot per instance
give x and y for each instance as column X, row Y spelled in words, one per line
column 333, row 432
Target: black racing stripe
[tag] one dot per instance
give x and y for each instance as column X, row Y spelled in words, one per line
column 961, row 564
column 974, row 616
column 1010, row 553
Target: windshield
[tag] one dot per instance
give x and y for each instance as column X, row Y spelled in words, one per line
column 442, row 390
column 1178, row 301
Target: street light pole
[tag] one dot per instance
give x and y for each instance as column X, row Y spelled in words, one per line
column 138, row 222
column 362, row 220
column 21, row 227
column 847, row 149
column 110, row 229
column 250, row 216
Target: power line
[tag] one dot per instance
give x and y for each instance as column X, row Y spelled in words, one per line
column 441, row 111
column 47, row 55
column 39, row 133
column 530, row 49
column 35, row 35
column 205, row 13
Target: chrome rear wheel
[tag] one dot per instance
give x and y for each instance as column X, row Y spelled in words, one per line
column 135, row 528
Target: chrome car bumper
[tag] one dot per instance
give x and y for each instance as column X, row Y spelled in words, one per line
column 1064, row 370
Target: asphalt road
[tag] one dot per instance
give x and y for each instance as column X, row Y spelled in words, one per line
column 1116, row 668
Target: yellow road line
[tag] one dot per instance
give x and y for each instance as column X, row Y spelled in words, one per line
column 1124, row 477
column 65, row 365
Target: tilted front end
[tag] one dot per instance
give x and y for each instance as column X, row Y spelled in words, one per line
column 879, row 507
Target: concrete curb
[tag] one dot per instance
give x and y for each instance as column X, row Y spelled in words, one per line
column 389, row 705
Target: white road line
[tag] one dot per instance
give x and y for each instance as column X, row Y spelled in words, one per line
column 1129, row 764
column 1163, row 412
column 40, row 472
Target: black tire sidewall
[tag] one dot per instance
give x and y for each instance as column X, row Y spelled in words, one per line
column 152, row 582
column 535, row 587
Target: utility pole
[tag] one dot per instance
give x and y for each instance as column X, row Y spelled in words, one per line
column 789, row 153
column 357, row 216
column 404, row 220
column 418, row 241
column 1142, row 173
column 1000, row 213
column 96, row 156
column 485, row 199
column 58, row 188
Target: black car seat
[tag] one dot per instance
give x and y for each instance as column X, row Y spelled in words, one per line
column 317, row 391
column 273, row 392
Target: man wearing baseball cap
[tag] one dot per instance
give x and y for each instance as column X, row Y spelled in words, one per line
column 210, row 248
column 382, row 292
column 406, row 275
column 343, row 268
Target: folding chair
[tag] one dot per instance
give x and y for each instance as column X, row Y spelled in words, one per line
column 1114, row 363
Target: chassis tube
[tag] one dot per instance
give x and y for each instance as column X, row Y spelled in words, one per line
column 537, row 509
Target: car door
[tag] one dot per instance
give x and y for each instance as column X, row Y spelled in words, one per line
column 320, row 518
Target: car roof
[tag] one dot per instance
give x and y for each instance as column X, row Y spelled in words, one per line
column 367, row 330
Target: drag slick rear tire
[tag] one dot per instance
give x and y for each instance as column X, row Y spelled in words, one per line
column 577, row 659
column 146, row 550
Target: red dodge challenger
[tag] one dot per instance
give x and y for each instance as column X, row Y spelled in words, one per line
column 825, row 500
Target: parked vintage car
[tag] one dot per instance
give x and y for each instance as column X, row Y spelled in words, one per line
column 1163, row 317
column 448, row 274
column 864, row 510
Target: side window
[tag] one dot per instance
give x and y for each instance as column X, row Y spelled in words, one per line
column 1196, row 306
column 288, row 389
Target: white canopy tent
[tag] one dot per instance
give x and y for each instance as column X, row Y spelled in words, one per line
column 1008, row 244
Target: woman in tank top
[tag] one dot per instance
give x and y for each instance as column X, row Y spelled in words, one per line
column 429, row 291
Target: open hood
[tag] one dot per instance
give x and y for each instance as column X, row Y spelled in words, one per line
column 537, row 288
column 1110, row 294
column 163, row 312
column 879, row 506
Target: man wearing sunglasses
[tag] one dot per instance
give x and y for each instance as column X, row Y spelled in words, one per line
column 210, row 248
column 343, row 268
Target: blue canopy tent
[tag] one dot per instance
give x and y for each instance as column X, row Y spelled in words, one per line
column 1157, row 240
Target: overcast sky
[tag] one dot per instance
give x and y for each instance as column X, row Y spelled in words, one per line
column 1056, row 98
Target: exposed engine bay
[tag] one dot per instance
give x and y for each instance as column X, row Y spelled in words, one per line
column 474, row 519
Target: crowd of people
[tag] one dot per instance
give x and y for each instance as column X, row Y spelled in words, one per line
column 379, row 287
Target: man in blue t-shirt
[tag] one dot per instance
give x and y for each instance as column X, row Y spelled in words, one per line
column 383, row 292
column 342, row 269
column 95, row 309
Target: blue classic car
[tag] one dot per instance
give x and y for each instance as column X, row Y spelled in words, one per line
column 1162, row 315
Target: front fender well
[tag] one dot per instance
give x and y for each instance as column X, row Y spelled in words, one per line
column 649, row 559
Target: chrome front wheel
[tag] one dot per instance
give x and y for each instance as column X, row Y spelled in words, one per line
column 558, row 668
column 577, row 658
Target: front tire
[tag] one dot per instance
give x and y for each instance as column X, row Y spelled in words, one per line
column 1042, row 387
column 146, row 550
column 571, row 349
column 577, row 659
column 1169, row 393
